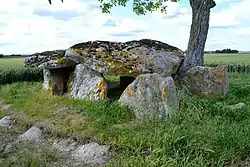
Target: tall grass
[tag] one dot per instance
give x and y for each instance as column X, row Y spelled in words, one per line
column 233, row 68
column 8, row 76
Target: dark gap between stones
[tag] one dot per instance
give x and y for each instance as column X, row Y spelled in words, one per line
column 115, row 89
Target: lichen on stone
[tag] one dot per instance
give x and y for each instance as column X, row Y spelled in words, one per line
column 130, row 58
column 165, row 93
column 69, row 82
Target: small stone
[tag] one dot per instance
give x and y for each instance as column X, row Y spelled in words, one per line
column 237, row 106
column 91, row 153
column 5, row 122
column 63, row 109
column 33, row 134
column 6, row 107
column 6, row 148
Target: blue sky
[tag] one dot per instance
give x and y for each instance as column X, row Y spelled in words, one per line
column 28, row 26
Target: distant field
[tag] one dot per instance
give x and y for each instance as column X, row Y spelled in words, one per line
column 209, row 58
column 228, row 58
column 11, row 62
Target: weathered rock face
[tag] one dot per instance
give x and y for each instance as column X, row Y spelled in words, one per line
column 205, row 81
column 33, row 134
column 56, row 64
column 38, row 59
column 127, row 59
column 88, row 84
column 92, row 153
column 6, row 122
column 151, row 95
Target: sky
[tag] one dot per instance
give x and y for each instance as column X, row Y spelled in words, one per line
column 28, row 26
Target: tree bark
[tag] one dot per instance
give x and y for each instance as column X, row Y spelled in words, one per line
column 198, row 33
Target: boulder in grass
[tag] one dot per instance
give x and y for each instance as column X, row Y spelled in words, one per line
column 150, row 96
column 6, row 122
column 91, row 154
column 205, row 81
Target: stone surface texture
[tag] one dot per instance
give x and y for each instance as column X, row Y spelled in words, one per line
column 205, row 81
column 6, row 122
column 6, row 107
column 130, row 58
column 88, row 84
column 151, row 96
column 33, row 134
column 38, row 59
column 92, row 153
column 58, row 63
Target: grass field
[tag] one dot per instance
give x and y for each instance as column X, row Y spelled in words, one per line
column 227, row 58
column 11, row 62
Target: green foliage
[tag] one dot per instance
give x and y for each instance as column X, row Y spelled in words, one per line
column 140, row 7
column 234, row 68
column 8, row 76
column 110, row 78
column 228, row 50
column 206, row 133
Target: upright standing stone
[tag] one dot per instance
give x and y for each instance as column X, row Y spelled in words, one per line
column 53, row 82
column 151, row 95
column 88, row 84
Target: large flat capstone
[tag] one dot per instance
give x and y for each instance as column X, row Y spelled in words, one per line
column 130, row 58
column 38, row 59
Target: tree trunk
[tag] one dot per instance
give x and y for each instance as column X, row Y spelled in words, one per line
column 198, row 33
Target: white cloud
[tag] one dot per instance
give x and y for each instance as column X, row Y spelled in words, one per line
column 243, row 32
column 27, row 26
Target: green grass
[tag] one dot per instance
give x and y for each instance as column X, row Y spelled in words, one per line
column 205, row 134
column 227, row 58
column 8, row 76
column 11, row 62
